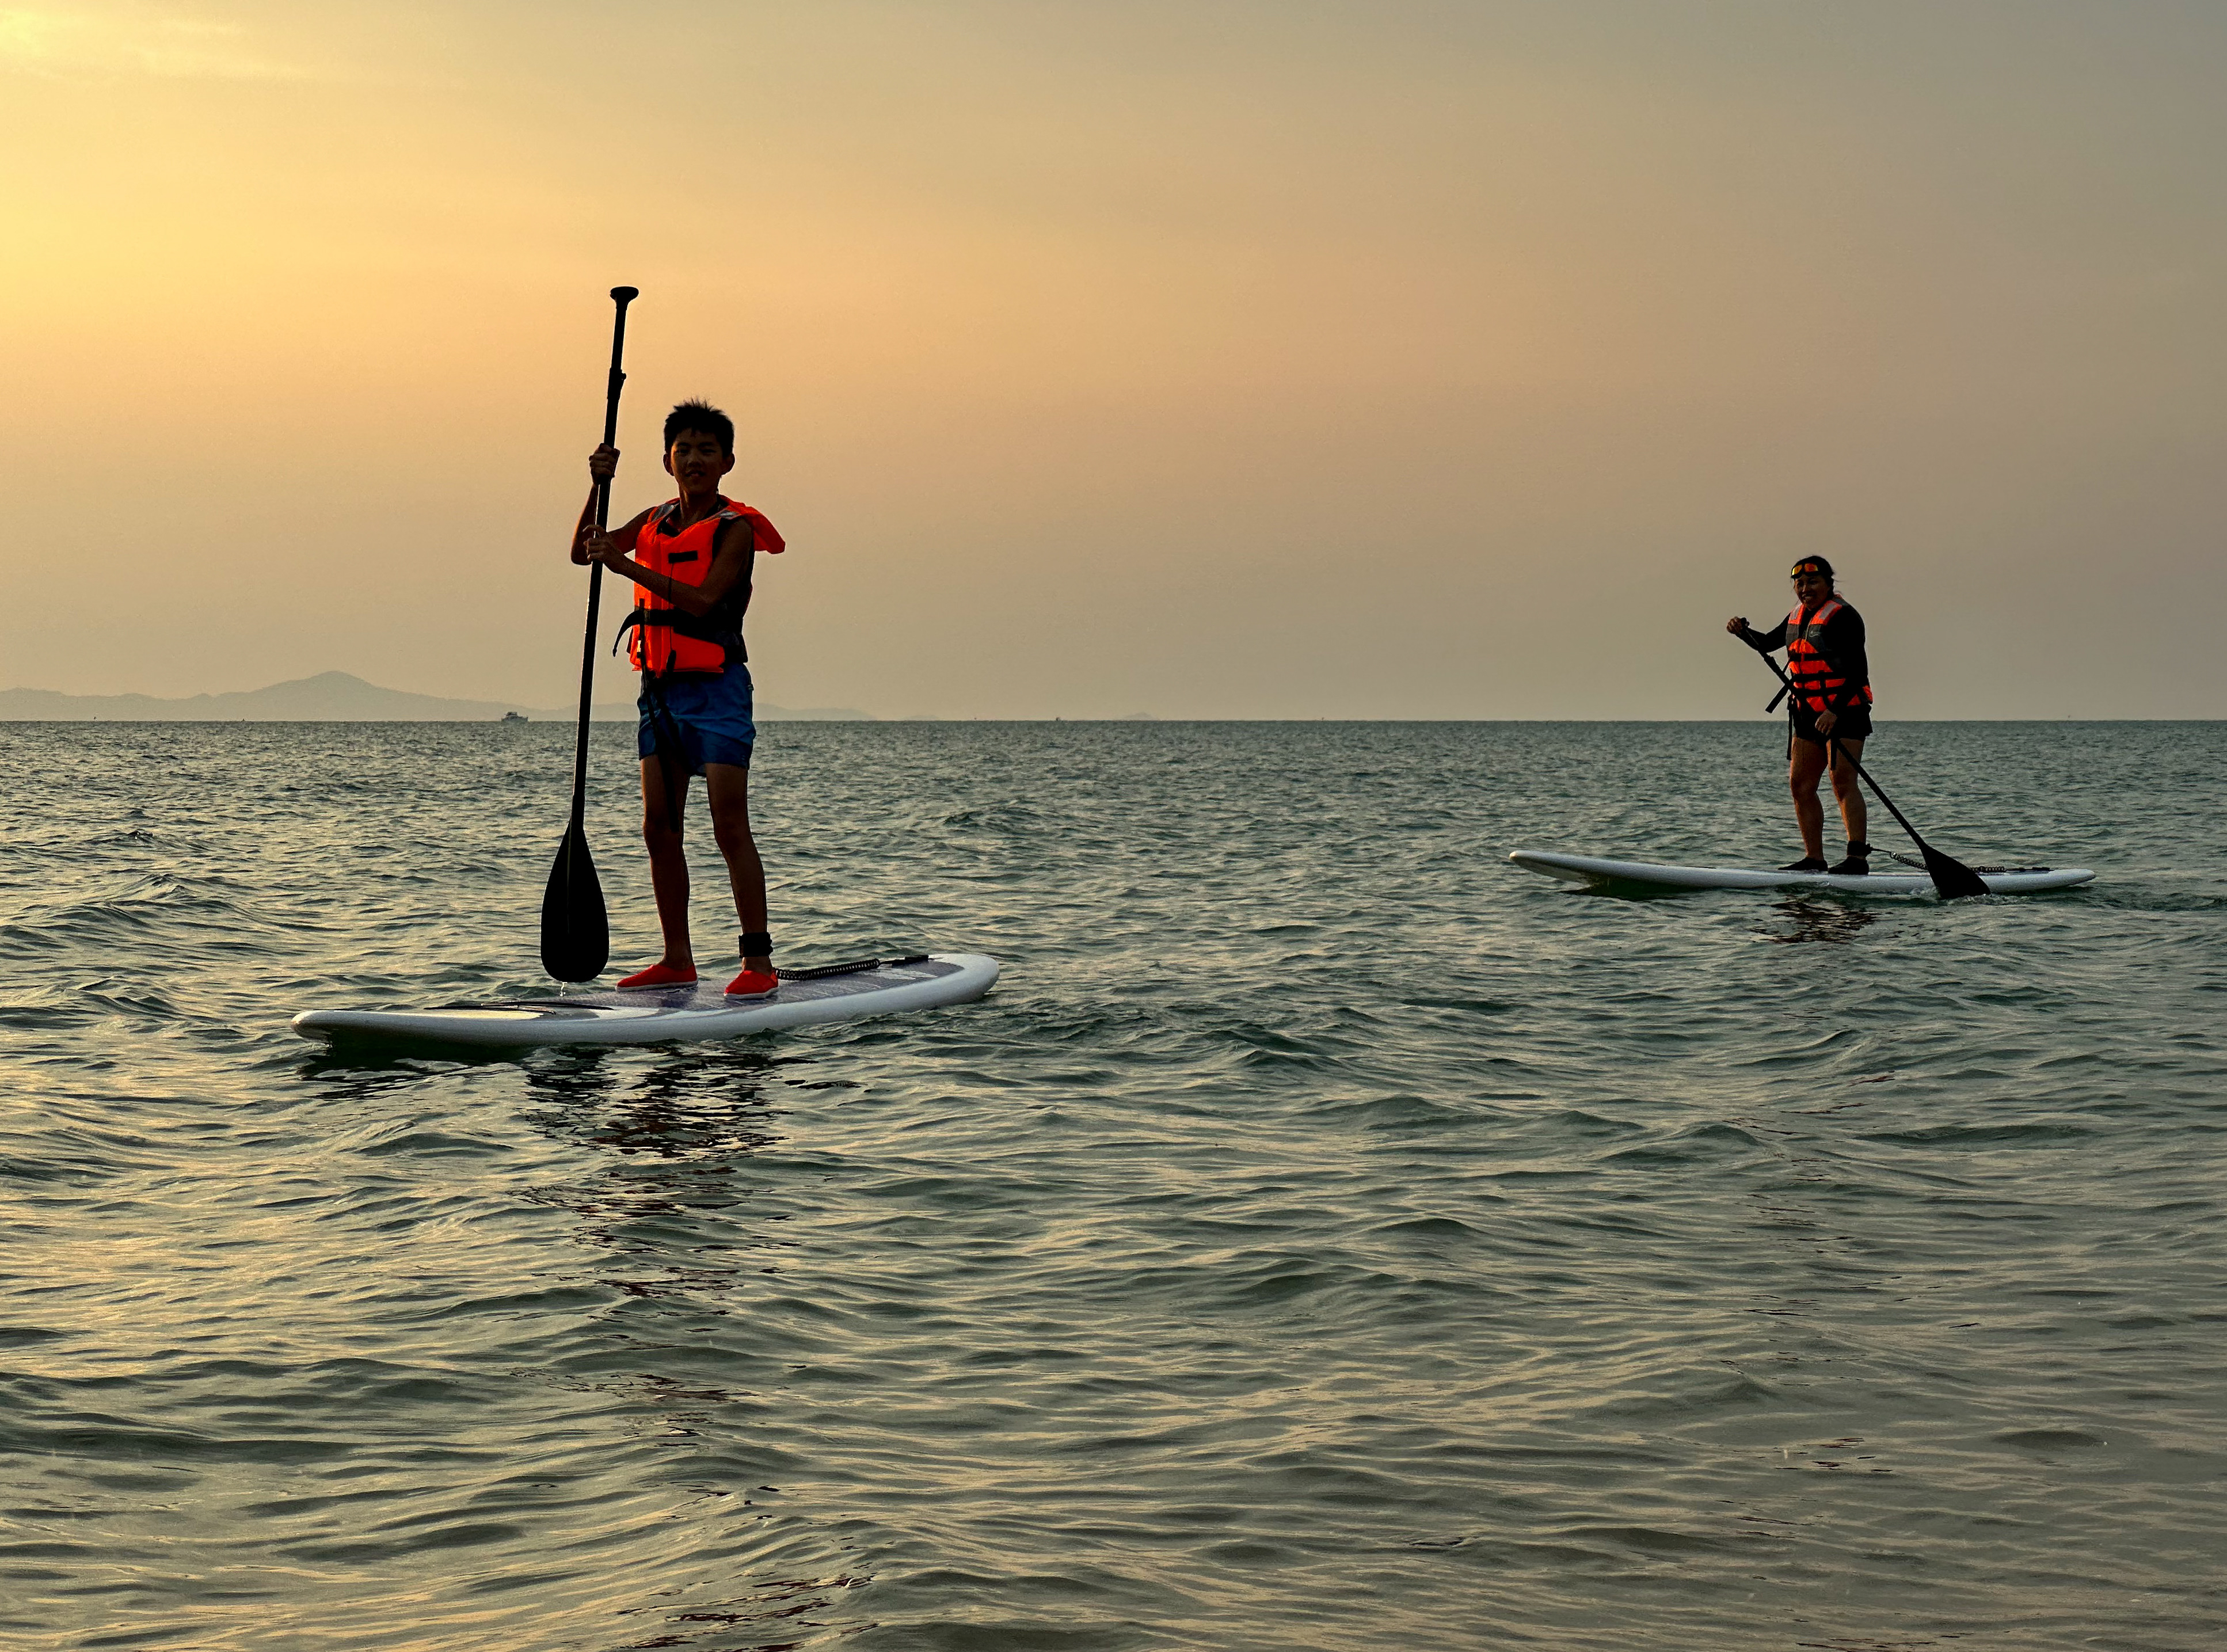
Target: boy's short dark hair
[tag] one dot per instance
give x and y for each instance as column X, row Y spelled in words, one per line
column 703, row 417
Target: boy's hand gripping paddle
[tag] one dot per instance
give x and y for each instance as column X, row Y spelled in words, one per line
column 1952, row 879
column 576, row 931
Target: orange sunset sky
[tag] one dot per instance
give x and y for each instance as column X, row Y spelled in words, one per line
column 1219, row 360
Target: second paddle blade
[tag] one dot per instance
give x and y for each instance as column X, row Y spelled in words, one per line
column 1952, row 879
column 576, row 932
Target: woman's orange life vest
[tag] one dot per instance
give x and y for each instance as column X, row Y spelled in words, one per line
column 1814, row 686
column 662, row 639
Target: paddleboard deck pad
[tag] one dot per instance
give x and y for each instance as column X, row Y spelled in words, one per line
column 665, row 1014
column 1586, row 869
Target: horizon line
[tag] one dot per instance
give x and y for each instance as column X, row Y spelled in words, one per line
column 1130, row 718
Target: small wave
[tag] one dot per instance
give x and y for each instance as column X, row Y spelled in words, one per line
column 2053, row 1135
column 2049, row 1439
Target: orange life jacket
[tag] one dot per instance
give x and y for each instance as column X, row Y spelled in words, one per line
column 1814, row 682
column 662, row 639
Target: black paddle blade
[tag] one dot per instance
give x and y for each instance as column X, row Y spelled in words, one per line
column 576, row 932
column 1952, row 879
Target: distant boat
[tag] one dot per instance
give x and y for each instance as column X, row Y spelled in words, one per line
column 514, row 717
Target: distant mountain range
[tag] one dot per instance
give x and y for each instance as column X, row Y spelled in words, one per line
column 329, row 697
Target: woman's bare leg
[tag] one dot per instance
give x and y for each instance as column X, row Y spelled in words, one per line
column 1804, row 767
column 1849, row 791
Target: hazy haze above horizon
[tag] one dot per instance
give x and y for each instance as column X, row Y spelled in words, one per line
column 1237, row 360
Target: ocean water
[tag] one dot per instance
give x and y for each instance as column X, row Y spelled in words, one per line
column 1326, row 1236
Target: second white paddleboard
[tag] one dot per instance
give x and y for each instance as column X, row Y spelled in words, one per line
column 1588, row 869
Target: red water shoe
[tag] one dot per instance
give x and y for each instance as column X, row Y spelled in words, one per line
column 659, row 975
column 753, row 983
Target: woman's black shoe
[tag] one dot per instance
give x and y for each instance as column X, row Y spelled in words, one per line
column 1807, row 864
column 1859, row 863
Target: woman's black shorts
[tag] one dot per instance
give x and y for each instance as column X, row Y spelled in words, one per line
column 1855, row 724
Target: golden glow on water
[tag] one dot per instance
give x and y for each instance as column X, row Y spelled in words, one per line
column 1325, row 1227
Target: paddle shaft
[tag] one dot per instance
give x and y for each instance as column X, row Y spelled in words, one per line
column 620, row 296
column 1834, row 748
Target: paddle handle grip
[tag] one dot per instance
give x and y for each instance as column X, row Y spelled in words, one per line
column 620, row 296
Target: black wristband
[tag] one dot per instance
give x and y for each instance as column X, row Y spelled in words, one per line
column 756, row 944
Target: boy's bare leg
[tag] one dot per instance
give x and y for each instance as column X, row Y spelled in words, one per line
column 668, row 865
column 1849, row 791
column 729, row 788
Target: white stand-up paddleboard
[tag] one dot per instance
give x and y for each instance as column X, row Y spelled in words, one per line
column 1585, row 869
column 662, row 1014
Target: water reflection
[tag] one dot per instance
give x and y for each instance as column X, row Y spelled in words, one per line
column 694, row 1101
column 669, row 1136
column 682, row 1218
column 1828, row 921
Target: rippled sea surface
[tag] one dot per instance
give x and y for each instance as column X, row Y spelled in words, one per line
column 1326, row 1235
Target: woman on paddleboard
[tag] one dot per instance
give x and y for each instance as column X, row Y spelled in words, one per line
column 1830, row 708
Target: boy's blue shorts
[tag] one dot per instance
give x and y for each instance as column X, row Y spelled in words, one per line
column 712, row 714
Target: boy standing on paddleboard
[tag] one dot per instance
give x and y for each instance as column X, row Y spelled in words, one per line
column 1830, row 705
column 690, row 559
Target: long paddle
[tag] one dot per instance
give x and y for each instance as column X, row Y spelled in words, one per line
column 1953, row 879
column 576, row 930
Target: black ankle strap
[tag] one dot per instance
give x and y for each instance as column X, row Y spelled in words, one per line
column 759, row 943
